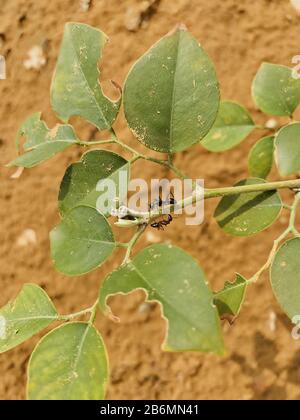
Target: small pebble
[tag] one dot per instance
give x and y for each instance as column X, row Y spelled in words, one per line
column 27, row 237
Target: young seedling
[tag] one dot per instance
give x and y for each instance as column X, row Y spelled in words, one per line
column 171, row 101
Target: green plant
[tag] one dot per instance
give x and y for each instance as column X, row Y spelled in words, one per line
column 171, row 102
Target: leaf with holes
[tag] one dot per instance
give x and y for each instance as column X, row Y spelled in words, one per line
column 81, row 242
column 285, row 277
column 233, row 125
column 41, row 142
column 248, row 213
column 83, row 181
column 69, row 363
column 75, row 89
column 261, row 158
column 31, row 312
column 229, row 300
column 171, row 95
column 287, row 149
column 173, row 278
column 275, row 91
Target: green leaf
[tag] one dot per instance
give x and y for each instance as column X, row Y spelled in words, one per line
column 173, row 278
column 287, row 149
column 75, row 88
column 260, row 159
column 285, row 277
column 42, row 143
column 171, row 95
column 275, row 91
column 81, row 242
column 31, row 312
column 69, row 363
column 233, row 125
column 80, row 184
column 248, row 213
column 229, row 300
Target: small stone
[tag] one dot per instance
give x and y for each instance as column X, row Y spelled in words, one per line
column 133, row 19
column 17, row 173
column 36, row 58
column 272, row 321
column 136, row 16
column 85, row 5
column 271, row 123
column 144, row 308
column 27, row 237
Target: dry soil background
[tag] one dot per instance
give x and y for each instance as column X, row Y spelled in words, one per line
column 263, row 360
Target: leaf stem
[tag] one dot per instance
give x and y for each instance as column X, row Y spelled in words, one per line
column 122, row 244
column 96, row 142
column 70, row 317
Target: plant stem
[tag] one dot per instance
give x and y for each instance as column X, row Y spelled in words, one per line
column 147, row 217
column 123, row 145
column 132, row 242
column 276, row 243
column 292, row 226
column 136, row 155
column 94, row 312
column 267, row 186
column 290, row 229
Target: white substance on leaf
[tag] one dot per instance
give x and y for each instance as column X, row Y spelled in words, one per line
column 2, row 328
column 28, row 237
column 36, row 59
column 296, row 5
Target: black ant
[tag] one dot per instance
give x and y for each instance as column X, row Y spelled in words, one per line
column 159, row 203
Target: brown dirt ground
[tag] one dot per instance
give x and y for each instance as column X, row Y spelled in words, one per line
column 262, row 363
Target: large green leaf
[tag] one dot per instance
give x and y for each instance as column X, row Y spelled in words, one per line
column 287, row 149
column 171, row 95
column 233, row 124
column 69, row 363
column 285, row 277
column 41, row 142
column 75, row 88
column 173, row 278
column 261, row 157
column 248, row 213
column 229, row 300
column 81, row 242
column 31, row 311
column 80, row 185
column 275, row 91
